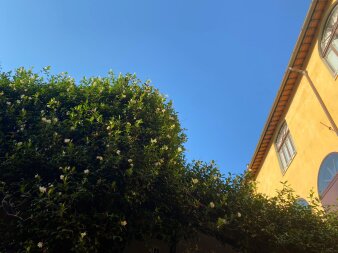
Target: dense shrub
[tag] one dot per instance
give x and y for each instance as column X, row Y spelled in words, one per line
column 232, row 211
column 94, row 166
column 82, row 163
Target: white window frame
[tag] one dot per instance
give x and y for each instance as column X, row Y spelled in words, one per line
column 328, row 47
column 285, row 147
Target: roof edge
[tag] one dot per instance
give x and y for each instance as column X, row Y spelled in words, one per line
column 291, row 62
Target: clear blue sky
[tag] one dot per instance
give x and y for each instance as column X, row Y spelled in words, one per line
column 221, row 62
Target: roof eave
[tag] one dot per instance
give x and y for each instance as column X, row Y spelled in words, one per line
column 300, row 41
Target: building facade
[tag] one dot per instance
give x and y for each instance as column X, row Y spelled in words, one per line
column 299, row 143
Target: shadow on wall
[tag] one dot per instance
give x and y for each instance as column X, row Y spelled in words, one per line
column 204, row 244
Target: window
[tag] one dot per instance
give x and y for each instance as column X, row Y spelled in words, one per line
column 329, row 41
column 285, row 147
column 302, row 202
column 328, row 180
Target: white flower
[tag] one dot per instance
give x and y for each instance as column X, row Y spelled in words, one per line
column 83, row 234
column 194, row 180
column 130, row 160
column 67, row 168
column 161, row 161
column 62, row 177
column 18, row 101
column 212, row 205
column 36, row 176
column 8, row 103
column 221, row 222
column 165, row 147
column 239, row 215
column 67, row 140
column 118, row 152
column 86, row 171
column 172, row 126
column 153, row 140
column 46, row 120
column 42, row 189
column 123, row 223
column 179, row 149
column 19, row 143
column 99, row 158
column 40, row 245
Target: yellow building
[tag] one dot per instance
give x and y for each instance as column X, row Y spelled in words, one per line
column 299, row 142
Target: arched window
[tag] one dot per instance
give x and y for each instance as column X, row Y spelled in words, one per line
column 285, row 147
column 329, row 41
column 328, row 180
column 302, row 202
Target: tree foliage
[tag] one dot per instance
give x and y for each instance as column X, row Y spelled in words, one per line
column 253, row 222
column 94, row 166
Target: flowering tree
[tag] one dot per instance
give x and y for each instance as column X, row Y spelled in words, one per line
column 82, row 166
column 231, row 210
column 94, row 166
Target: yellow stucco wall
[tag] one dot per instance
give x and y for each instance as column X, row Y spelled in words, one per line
column 313, row 140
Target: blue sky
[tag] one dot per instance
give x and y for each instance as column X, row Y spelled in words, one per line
column 221, row 62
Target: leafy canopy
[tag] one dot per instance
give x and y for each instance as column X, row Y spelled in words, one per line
column 92, row 167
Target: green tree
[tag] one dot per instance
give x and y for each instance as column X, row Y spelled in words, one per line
column 231, row 210
column 83, row 166
column 92, row 167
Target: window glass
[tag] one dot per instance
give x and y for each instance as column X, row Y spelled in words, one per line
column 285, row 148
column 332, row 59
column 281, row 157
column 328, row 182
column 286, row 153
column 302, row 202
column 328, row 171
column 289, row 144
column 329, row 41
column 335, row 42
